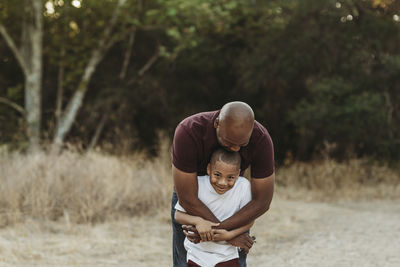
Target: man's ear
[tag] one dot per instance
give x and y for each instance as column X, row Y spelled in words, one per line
column 216, row 123
column 208, row 169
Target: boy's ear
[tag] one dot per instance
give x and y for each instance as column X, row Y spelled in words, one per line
column 208, row 169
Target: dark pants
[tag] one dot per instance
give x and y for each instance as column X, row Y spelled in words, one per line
column 178, row 250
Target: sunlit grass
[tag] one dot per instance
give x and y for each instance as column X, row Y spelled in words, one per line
column 329, row 179
column 96, row 187
column 85, row 188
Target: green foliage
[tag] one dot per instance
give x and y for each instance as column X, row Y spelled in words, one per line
column 337, row 111
column 315, row 72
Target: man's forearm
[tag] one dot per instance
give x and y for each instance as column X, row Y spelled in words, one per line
column 262, row 190
column 246, row 215
column 241, row 230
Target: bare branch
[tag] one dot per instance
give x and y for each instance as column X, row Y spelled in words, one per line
column 98, row 131
column 14, row 105
column 60, row 87
column 128, row 53
column 390, row 110
column 105, row 44
column 149, row 63
column 145, row 67
column 11, row 44
column 66, row 120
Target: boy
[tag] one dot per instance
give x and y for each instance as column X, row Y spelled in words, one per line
column 224, row 193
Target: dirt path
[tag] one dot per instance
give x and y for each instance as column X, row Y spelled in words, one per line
column 293, row 233
column 319, row 234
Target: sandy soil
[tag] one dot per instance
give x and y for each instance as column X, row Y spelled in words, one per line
column 293, row 233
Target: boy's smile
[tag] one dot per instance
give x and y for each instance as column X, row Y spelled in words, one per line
column 222, row 176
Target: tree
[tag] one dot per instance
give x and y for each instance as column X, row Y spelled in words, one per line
column 29, row 57
column 67, row 118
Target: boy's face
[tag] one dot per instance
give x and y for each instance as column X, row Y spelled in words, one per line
column 222, row 176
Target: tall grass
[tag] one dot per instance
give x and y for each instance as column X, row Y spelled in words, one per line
column 329, row 179
column 82, row 187
column 94, row 187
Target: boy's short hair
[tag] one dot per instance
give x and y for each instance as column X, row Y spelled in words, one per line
column 232, row 158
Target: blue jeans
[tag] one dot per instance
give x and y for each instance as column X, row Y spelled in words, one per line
column 178, row 250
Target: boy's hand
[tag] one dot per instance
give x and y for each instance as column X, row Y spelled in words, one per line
column 204, row 228
column 222, row 235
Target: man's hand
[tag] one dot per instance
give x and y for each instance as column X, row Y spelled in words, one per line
column 191, row 233
column 243, row 241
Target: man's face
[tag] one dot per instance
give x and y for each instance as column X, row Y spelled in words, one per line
column 232, row 137
column 222, row 176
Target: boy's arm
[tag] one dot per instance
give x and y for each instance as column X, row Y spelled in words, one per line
column 184, row 218
column 224, row 235
column 203, row 227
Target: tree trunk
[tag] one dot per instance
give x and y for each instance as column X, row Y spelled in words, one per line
column 33, row 81
column 68, row 117
column 32, row 107
column 29, row 57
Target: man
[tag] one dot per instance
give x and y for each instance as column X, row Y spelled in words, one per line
column 196, row 137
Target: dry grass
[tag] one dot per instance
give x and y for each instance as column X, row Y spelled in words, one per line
column 81, row 188
column 328, row 179
column 95, row 187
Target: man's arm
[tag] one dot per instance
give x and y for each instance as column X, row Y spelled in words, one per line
column 262, row 191
column 187, row 188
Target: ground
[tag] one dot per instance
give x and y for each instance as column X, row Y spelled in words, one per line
column 292, row 233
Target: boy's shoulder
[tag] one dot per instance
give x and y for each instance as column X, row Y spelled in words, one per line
column 242, row 182
column 203, row 177
column 203, row 180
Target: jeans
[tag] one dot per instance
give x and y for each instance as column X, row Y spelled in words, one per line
column 178, row 250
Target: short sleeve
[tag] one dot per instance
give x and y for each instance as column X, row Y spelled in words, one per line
column 184, row 150
column 179, row 207
column 262, row 164
column 246, row 197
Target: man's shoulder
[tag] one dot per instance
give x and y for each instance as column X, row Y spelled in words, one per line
column 259, row 131
column 197, row 127
column 260, row 138
column 199, row 120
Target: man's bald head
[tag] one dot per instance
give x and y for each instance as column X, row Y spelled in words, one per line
column 237, row 113
column 234, row 125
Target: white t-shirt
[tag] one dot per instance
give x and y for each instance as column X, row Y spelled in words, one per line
column 208, row 254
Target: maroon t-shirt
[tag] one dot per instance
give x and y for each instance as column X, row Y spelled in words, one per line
column 195, row 140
